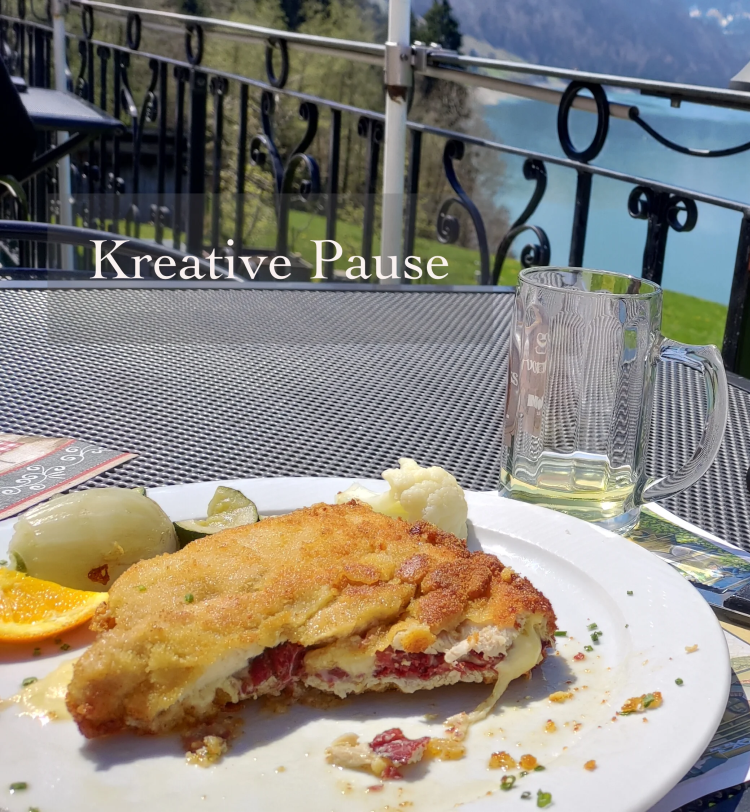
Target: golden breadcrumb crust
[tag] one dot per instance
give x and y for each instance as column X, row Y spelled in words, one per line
column 322, row 574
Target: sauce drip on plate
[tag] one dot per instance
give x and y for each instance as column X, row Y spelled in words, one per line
column 45, row 698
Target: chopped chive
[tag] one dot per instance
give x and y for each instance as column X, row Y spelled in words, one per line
column 507, row 782
column 630, row 592
column 595, row 637
column 36, row 652
column 524, row 772
column 57, row 641
column 18, row 786
column 189, row 597
column 627, row 625
column 3, row 563
column 678, row 681
column 64, row 647
column 539, row 768
column 561, row 634
column 592, row 626
column 141, row 588
column 588, row 648
column 33, row 809
column 29, row 681
column 648, row 700
column 543, row 799
column 525, row 796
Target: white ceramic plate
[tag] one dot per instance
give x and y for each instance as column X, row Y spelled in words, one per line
column 278, row 764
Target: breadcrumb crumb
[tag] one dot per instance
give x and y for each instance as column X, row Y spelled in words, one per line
column 445, row 749
column 638, row 704
column 502, row 761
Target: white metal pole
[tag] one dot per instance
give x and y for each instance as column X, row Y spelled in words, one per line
column 397, row 79
column 59, row 7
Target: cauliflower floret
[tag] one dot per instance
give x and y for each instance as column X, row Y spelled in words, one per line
column 417, row 493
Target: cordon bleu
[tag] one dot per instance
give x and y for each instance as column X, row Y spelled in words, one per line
column 331, row 597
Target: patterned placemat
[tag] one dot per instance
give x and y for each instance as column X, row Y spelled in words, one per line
column 34, row 468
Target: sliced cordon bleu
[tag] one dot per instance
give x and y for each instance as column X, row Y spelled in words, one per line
column 332, row 597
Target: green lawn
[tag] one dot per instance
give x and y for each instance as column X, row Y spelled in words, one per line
column 685, row 318
column 693, row 321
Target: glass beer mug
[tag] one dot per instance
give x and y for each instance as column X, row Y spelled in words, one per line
column 583, row 353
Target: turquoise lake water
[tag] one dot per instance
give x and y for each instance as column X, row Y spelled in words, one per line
column 699, row 263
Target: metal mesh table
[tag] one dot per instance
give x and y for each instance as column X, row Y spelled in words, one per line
column 208, row 384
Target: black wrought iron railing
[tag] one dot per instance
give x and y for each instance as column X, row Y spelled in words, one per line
column 181, row 156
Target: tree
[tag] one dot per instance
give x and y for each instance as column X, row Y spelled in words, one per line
column 440, row 26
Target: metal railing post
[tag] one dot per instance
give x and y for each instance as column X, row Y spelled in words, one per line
column 415, row 159
column 63, row 167
column 736, row 349
column 196, row 163
column 397, row 82
column 580, row 219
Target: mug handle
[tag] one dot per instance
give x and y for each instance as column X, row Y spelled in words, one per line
column 708, row 361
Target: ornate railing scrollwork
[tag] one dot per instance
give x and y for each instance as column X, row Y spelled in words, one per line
column 308, row 112
column 635, row 115
column 531, row 254
column 535, row 170
column 133, row 31
column 194, row 55
column 447, row 225
column 538, row 254
column 263, row 147
column 602, row 121
column 148, row 112
column 87, row 21
column 662, row 210
column 277, row 80
column 47, row 16
column 81, row 87
column 308, row 190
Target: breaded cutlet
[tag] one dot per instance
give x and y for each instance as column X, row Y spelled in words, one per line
column 333, row 597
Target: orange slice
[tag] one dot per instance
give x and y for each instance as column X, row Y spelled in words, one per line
column 32, row 609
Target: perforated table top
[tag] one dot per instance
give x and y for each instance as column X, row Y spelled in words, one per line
column 209, row 384
column 213, row 384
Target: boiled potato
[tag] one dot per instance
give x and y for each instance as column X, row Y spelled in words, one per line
column 85, row 540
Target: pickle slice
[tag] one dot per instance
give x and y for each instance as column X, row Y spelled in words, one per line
column 192, row 529
column 226, row 499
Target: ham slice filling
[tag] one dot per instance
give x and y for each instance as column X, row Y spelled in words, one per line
column 282, row 667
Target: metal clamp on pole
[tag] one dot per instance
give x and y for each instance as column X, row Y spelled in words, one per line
column 397, row 69
column 431, row 56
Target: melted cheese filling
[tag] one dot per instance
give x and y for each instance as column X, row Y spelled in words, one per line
column 525, row 653
column 522, row 651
